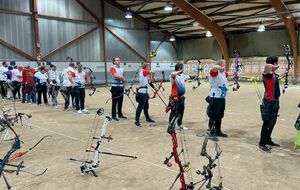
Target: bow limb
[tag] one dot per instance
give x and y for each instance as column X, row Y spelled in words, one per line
column 155, row 92
column 92, row 77
column 21, row 154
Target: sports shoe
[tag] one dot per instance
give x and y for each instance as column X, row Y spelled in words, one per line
column 66, row 109
column 183, row 127
column 264, row 148
column 79, row 111
column 84, row 110
column 137, row 124
column 122, row 116
column 221, row 134
column 271, row 143
column 55, row 107
column 114, row 118
column 150, row 120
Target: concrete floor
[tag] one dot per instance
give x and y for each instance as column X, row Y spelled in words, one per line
column 243, row 166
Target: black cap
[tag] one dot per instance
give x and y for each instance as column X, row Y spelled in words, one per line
column 52, row 65
column 272, row 60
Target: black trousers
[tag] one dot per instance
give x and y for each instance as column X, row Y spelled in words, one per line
column 117, row 94
column 143, row 105
column 79, row 98
column 42, row 90
column 269, row 111
column 177, row 110
column 23, row 85
column 67, row 94
column 3, row 89
column 16, row 89
column 215, row 112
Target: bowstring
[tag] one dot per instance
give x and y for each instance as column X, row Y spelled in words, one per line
column 185, row 153
column 90, row 139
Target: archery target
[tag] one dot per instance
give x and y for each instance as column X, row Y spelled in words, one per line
column 233, row 69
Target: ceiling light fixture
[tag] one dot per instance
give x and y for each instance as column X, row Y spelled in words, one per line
column 261, row 28
column 168, row 7
column 208, row 34
column 195, row 24
column 172, row 38
column 128, row 14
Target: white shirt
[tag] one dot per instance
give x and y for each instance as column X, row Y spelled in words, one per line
column 42, row 77
column 3, row 76
column 120, row 72
column 80, row 79
column 144, row 81
column 54, row 75
column 67, row 75
column 178, row 85
column 16, row 75
column 218, row 85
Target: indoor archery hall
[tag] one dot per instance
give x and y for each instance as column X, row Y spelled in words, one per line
column 149, row 94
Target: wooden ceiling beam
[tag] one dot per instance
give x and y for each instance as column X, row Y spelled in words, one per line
column 206, row 22
column 292, row 28
column 16, row 50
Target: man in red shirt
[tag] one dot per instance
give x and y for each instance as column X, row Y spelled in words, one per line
column 117, row 89
column 270, row 104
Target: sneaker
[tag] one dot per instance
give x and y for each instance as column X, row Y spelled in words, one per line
column 264, row 148
column 55, row 107
column 150, row 120
column 79, row 111
column 221, row 134
column 122, row 116
column 137, row 124
column 271, row 143
column 114, row 118
column 183, row 127
column 84, row 110
column 66, row 109
column 29, row 103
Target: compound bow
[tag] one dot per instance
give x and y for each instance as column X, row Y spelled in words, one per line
column 197, row 78
column 89, row 166
column 15, row 146
column 207, row 170
column 287, row 55
column 183, row 168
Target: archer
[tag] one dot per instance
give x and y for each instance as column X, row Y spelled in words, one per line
column 270, row 104
column 142, row 96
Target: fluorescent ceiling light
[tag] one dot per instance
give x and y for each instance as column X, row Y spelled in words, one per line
column 128, row 14
column 168, row 7
column 172, row 38
column 195, row 24
column 208, row 34
column 261, row 28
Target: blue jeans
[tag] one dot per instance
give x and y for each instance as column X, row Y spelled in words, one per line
column 31, row 96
